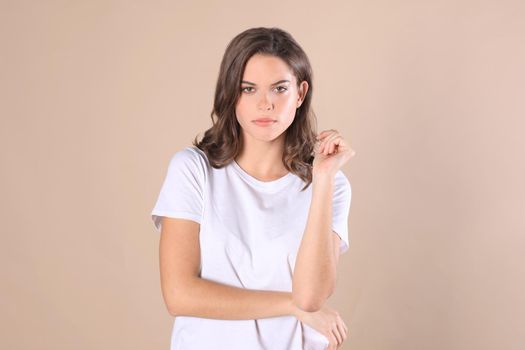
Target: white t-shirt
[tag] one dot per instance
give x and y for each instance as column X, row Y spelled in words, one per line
column 250, row 232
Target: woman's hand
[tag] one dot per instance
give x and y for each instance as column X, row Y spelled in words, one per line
column 326, row 321
column 331, row 153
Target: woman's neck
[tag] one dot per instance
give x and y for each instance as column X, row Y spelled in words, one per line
column 263, row 160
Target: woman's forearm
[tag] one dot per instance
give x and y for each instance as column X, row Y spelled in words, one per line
column 209, row 299
column 315, row 267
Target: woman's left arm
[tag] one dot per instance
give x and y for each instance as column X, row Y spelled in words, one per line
column 315, row 268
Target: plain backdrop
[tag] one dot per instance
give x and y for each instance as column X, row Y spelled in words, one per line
column 96, row 96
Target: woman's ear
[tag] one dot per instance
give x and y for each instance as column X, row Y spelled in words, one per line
column 303, row 89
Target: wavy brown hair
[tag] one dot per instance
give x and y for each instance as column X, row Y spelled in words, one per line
column 222, row 142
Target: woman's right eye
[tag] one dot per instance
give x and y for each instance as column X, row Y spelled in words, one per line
column 244, row 88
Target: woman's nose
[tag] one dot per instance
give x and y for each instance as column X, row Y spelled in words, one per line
column 265, row 103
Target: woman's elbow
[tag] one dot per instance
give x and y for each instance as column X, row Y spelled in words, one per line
column 308, row 304
column 171, row 302
column 170, row 307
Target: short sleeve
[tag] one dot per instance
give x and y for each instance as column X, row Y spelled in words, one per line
column 341, row 209
column 182, row 192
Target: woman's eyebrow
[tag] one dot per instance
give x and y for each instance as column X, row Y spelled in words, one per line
column 278, row 82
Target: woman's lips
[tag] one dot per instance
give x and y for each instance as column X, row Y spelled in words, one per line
column 264, row 122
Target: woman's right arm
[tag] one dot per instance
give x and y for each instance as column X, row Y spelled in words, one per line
column 187, row 294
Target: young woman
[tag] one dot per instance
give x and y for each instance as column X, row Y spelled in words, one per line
column 254, row 216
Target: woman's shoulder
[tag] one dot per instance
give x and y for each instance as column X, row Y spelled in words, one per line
column 342, row 183
column 191, row 159
column 190, row 154
column 193, row 152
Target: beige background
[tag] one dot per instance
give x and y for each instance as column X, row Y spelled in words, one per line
column 97, row 95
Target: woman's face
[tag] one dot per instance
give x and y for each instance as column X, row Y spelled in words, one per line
column 268, row 90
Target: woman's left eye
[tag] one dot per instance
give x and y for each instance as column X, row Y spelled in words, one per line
column 282, row 87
